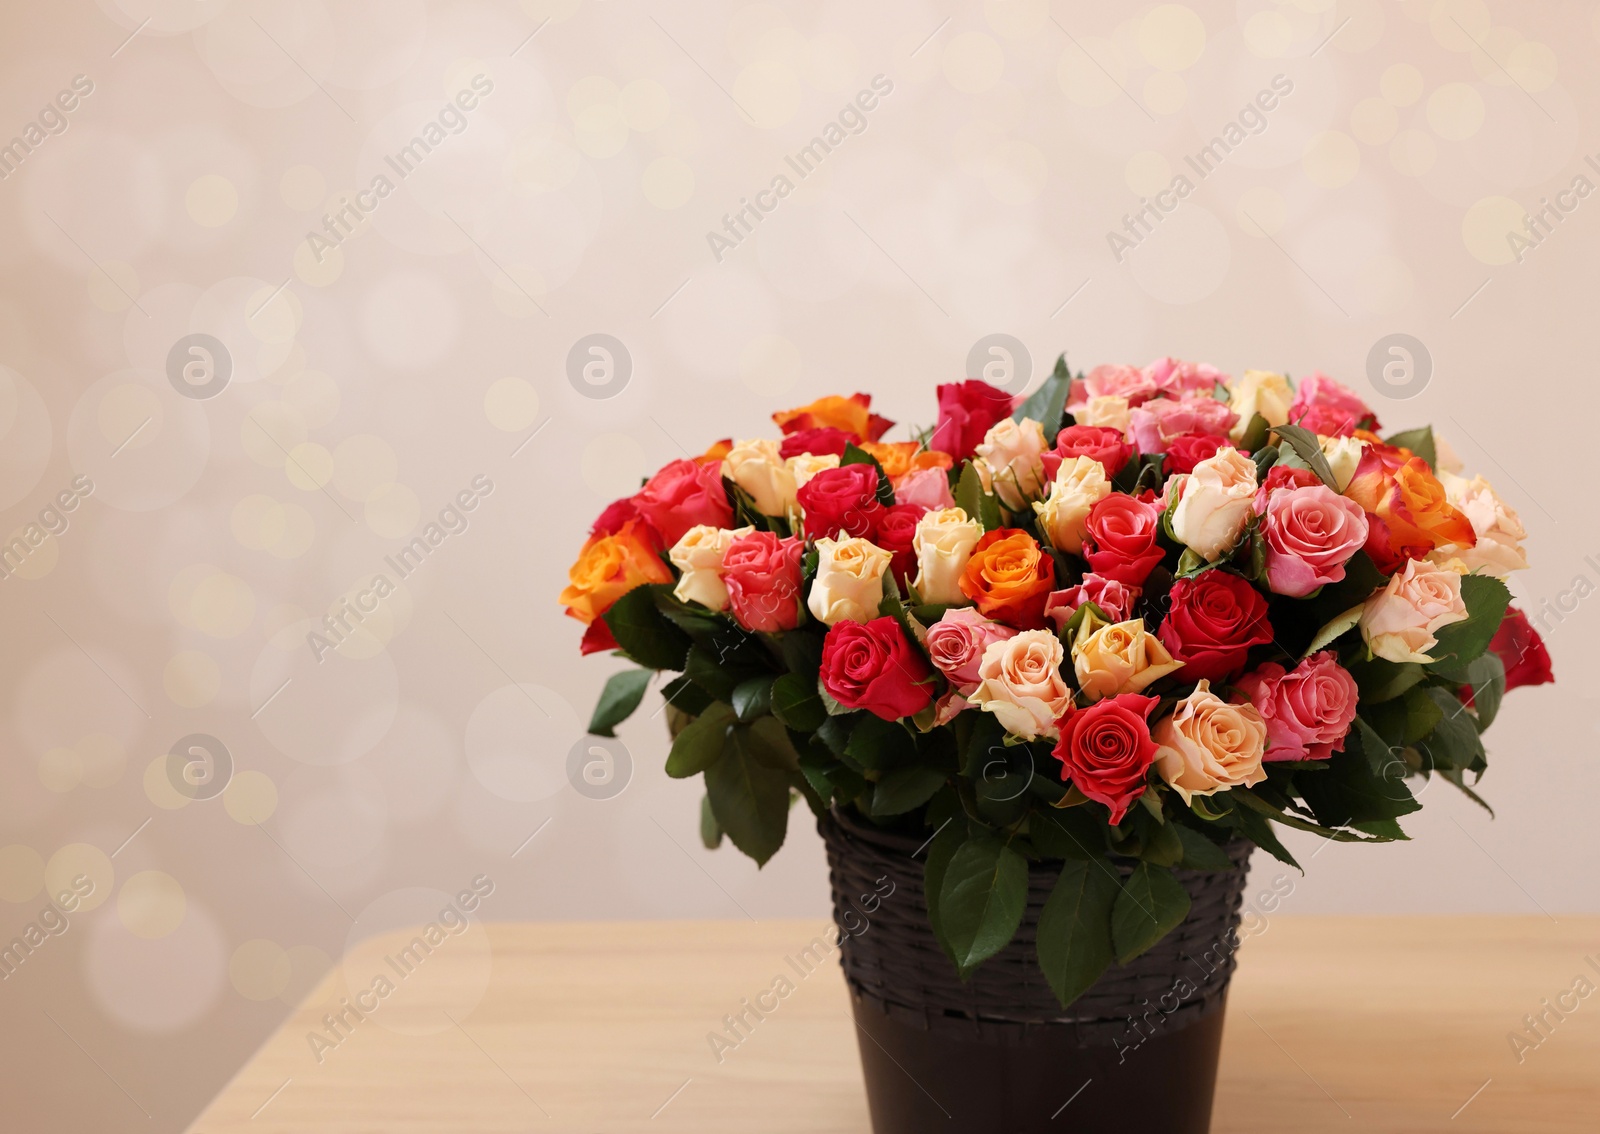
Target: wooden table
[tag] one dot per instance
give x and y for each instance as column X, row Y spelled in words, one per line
column 1335, row 1023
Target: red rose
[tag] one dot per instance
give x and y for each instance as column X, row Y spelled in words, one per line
column 1120, row 540
column 682, row 495
column 1093, row 441
column 617, row 513
column 1106, row 750
column 596, row 638
column 822, row 441
column 872, row 666
column 1519, row 646
column 1187, row 451
column 893, row 532
column 838, row 500
column 762, row 574
column 966, row 411
column 1214, row 620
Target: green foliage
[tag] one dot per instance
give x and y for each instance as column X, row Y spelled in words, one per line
column 795, row 702
column 1459, row 643
column 749, row 787
column 1152, row 903
column 941, row 850
column 710, row 831
column 1199, row 852
column 1074, row 936
column 618, row 700
column 752, row 697
column 981, row 899
column 1046, row 404
column 1305, row 446
column 906, row 788
column 700, row 745
column 979, row 505
column 1419, row 441
column 643, row 632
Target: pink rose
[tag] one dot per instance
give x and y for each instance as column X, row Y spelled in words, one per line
column 1308, row 711
column 966, row 412
column 762, row 574
column 1311, row 533
column 1116, row 599
column 1157, row 422
column 1338, row 404
column 683, row 495
column 1113, row 382
column 1096, row 442
column 928, row 487
column 1282, row 476
column 956, row 643
column 1178, row 379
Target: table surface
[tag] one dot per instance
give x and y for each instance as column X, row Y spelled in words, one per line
column 1334, row 1023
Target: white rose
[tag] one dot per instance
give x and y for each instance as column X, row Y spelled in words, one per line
column 1344, row 457
column 1216, row 503
column 1020, row 683
column 1399, row 621
column 1108, row 411
column 1009, row 460
column 1079, row 485
column 1259, row 391
column 1498, row 528
column 943, row 543
column 756, row 467
column 698, row 555
column 804, row 466
column 849, row 582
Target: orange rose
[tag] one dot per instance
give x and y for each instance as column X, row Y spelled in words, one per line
column 894, row 456
column 608, row 567
column 852, row 414
column 716, row 452
column 1401, row 491
column 931, row 459
column 1009, row 578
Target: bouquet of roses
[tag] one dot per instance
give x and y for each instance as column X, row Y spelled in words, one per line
column 1143, row 614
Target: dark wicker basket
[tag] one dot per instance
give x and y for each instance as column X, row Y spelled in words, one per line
column 897, row 966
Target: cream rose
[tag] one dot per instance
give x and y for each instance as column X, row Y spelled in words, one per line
column 1216, row 503
column 849, row 582
column 1399, row 621
column 943, row 543
column 1259, row 391
column 1498, row 528
column 698, row 556
column 804, row 466
column 1208, row 745
column 1079, row 485
column 1108, row 411
column 757, row 467
column 1119, row 657
column 1009, row 460
column 1344, row 455
column 1444, row 456
column 1020, row 682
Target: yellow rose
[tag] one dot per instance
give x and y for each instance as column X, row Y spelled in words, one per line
column 756, row 467
column 1216, row 503
column 1208, row 745
column 804, row 466
column 1019, row 681
column 1079, row 485
column 698, row 556
column 943, row 543
column 1108, row 411
column 1344, row 457
column 849, row 582
column 1009, row 460
column 1259, row 391
column 1121, row 657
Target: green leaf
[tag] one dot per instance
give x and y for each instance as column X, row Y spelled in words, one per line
column 767, row 741
column 1380, row 679
column 1419, row 441
column 619, row 699
column 906, row 788
column 1067, row 833
column 749, row 798
column 802, row 652
column 700, row 745
column 1352, row 792
column 1454, row 742
column 1251, row 818
column 1199, row 852
column 1163, row 846
column 946, row 841
column 1152, row 904
column 644, row 633
column 1255, row 434
column 683, row 694
column 1046, row 404
column 752, row 698
column 1333, row 629
column 1486, row 599
column 1308, row 449
column 710, row 832
column 1265, row 457
column 716, row 677
column 880, row 745
column 1074, row 936
column 1487, row 677
column 796, row 704
column 981, row 899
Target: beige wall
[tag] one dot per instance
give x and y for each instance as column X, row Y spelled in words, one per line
column 426, row 356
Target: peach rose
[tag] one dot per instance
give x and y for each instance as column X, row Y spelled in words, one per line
column 1499, row 530
column 758, row 468
column 698, row 557
column 1208, row 745
column 1019, row 681
column 849, row 582
column 1399, row 621
column 1009, row 461
column 1078, row 486
column 943, row 543
column 1215, row 503
column 1119, row 657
